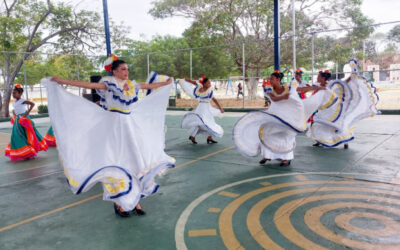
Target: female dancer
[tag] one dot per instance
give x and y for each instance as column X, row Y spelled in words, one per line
column 272, row 133
column 201, row 121
column 297, row 77
column 322, row 78
column 120, row 145
column 354, row 100
column 26, row 141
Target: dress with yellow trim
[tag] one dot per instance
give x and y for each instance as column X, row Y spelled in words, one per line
column 120, row 145
column 355, row 100
column 26, row 141
column 272, row 133
column 201, row 120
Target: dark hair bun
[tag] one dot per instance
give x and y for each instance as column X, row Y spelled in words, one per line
column 279, row 75
column 326, row 75
column 19, row 89
column 115, row 64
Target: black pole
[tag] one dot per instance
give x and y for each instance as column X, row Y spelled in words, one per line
column 277, row 24
column 107, row 28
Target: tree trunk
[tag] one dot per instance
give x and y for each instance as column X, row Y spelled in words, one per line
column 252, row 84
column 5, row 112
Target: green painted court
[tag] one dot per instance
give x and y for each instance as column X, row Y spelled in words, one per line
column 216, row 199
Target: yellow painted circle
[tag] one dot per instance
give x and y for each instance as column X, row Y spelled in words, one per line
column 336, row 194
column 283, row 224
column 392, row 227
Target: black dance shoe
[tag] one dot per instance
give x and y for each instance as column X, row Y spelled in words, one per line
column 193, row 139
column 211, row 141
column 264, row 160
column 139, row 211
column 118, row 212
column 316, row 145
column 284, row 164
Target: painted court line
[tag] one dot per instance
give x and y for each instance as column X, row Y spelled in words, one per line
column 2, row 229
column 229, row 194
column 29, row 179
column 27, row 169
column 301, row 178
column 214, row 210
column 204, row 157
column 204, row 232
column 49, row 213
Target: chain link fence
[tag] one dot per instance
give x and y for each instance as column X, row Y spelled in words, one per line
column 246, row 64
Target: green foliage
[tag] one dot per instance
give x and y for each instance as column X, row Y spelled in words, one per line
column 394, row 34
column 42, row 109
column 235, row 21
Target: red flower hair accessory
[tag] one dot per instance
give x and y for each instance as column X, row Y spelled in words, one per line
column 108, row 62
column 202, row 79
column 18, row 86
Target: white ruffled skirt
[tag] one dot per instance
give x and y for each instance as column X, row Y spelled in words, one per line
column 201, row 121
column 272, row 133
column 355, row 100
column 123, row 152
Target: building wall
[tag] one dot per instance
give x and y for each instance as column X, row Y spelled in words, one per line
column 395, row 74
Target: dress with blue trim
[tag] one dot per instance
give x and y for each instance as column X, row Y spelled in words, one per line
column 357, row 99
column 120, row 144
column 272, row 133
column 201, row 121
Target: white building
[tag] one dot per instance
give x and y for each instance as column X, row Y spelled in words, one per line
column 394, row 73
column 375, row 70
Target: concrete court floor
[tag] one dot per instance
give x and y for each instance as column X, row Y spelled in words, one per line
column 215, row 198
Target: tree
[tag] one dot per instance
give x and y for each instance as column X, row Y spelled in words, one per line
column 251, row 22
column 27, row 25
column 394, row 34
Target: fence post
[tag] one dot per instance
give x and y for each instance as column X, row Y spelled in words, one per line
column 294, row 35
column 148, row 65
column 77, row 72
column 312, row 57
column 191, row 72
column 244, row 70
column 25, row 82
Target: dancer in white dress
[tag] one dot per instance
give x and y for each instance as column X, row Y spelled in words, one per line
column 297, row 77
column 355, row 100
column 120, row 145
column 201, row 121
column 272, row 133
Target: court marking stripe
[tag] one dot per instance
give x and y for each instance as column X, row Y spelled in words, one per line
column 184, row 217
column 29, row 179
column 204, row 157
column 49, row 213
column 28, row 169
column 11, row 226
column 178, row 166
column 203, row 232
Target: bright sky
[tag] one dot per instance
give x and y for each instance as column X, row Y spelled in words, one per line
column 135, row 14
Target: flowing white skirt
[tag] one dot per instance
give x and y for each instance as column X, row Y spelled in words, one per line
column 123, row 152
column 201, row 121
column 272, row 133
column 356, row 100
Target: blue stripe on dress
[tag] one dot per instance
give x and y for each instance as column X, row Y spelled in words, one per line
column 153, row 77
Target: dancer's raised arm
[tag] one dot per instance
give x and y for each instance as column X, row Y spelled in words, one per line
column 81, row 84
column 155, row 85
column 191, row 81
column 309, row 88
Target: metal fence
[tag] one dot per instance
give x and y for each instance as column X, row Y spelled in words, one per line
column 241, row 67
